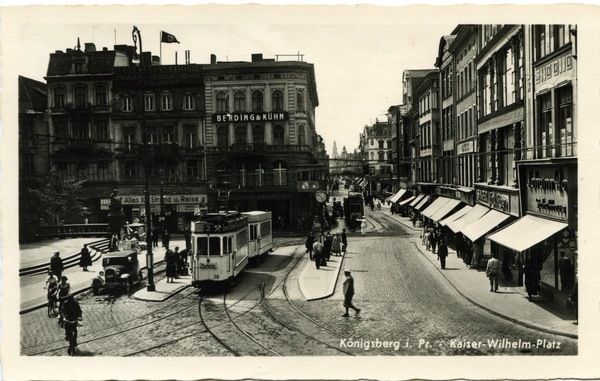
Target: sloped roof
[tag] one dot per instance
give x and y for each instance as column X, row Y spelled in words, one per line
column 33, row 95
column 98, row 62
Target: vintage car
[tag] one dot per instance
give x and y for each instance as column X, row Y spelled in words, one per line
column 121, row 270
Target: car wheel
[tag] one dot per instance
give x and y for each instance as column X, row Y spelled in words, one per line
column 96, row 288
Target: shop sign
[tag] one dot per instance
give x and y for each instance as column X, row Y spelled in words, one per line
column 553, row 69
column 465, row 147
column 251, row 117
column 547, row 191
column 494, row 200
column 448, row 192
column 167, row 199
column 308, row 186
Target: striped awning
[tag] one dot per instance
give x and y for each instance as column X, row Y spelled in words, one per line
column 445, row 210
column 397, row 196
column 461, row 223
column 485, row 224
column 526, row 232
column 435, row 206
column 464, row 210
column 423, row 202
column 417, row 200
column 410, row 199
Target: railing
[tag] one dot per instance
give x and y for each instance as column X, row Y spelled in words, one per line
column 261, row 147
column 73, row 230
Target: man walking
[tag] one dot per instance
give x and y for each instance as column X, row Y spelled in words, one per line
column 56, row 264
column 442, row 253
column 493, row 271
column 317, row 253
column 349, row 293
column 344, row 241
column 309, row 245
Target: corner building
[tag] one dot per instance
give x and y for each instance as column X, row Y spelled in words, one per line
column 260, row 134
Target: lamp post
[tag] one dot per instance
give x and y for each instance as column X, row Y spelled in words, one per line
column 149, row 258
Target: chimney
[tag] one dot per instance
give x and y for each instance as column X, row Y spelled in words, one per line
column 257, row 57
column 213, row 59
column 90, row 47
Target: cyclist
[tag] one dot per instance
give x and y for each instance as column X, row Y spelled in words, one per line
column 51, row 284
column 62, row 292
column 72, row 313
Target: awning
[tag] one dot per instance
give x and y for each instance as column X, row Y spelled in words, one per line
column 485, row 224
column 423, row 202
column 461, row 223
column 435, row 206
column 526, row 232
column 417, row 200
column 397, row 196
column 444, row 210
column 453, row 217
column 402, row 203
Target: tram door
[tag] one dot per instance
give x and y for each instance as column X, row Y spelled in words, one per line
column 253, row 243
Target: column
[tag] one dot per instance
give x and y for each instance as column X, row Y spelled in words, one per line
column 500, row 155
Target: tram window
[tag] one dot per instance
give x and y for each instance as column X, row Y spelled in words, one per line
column 252, row 236
column 227, row 245
column 230, row 241
column 265, row 228
column 242, row 238
column 215, row 246
column 201, row 246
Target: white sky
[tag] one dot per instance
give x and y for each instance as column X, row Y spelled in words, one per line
column 359, row 53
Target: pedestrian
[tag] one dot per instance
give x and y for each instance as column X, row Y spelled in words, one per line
column 309, row 245
column 492, row 271
column 349, row 293
column 427, row 239
column 63, row 289
column 56, row 264
column 85, row 259
column 565, row 269
column 336, row 245
column 188, row 239
column 171, row 261
column 114, row 242
column 179, row 261
column 475, row 259
column 531, row 279
column 442, row 253
column 327, row 244
column 344, row 241
column 166, row 239
column 185, row 259
column 506, row 265
column 155, row 235
column 363, row 225
column 433, row 239
column 318, row 253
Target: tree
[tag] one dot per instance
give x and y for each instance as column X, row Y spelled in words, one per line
column 44, row 202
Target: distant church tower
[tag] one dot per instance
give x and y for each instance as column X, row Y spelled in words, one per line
column 334, row 153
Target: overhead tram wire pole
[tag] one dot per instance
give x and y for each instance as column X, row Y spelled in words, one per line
column 149, row 258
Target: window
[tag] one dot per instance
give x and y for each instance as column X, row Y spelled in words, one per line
column 540, row 41
column 29, row 163
column 381, row 156
column 243, row 175
column 149, row 102
column 126, row 103
column 259, row 174
column 279, row 173
column 59, row 97
column 240, row 135
column 102, row 129
column 222, row 140
column 168, row 134
column 129, row 169
column 222, row 101
column 152, row 134
column 82, row 169
column 80, row 96
column 239, row 102
column 545, row 102
column 277, row 100
column 101, row 96
column 389, row 156
column 278, row 135
column 167, row 102
column 190, row 136
column 188, row 102
column 103, row 173
column 380, row 144
column 81, row 129
column 128, row 137
column 191, row 168
column 300, row 101
column 257, row 101
column 258, row 135
column 565, row 121
column 61, row 129
column 301, row 135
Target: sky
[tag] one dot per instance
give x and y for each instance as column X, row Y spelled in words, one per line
column 359, row 52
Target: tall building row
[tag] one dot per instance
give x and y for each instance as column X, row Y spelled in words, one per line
column 189, row 130
column 485, row 143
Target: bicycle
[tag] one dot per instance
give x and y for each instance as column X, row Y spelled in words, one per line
column 52, row 303
column 71, row 335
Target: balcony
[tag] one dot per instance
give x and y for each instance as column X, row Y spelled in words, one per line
column 261, row 148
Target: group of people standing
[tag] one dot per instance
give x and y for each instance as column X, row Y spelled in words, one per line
column 177, row 263
column 321, row 252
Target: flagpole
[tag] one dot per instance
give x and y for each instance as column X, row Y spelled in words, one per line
column 160, row 39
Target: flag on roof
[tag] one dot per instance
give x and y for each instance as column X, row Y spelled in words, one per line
column 167, row 37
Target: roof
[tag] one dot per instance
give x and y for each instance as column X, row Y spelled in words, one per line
column 33, row 95
column 96, row 62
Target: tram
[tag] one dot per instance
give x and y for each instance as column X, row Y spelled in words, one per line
column 353, row 209
column 224, row 243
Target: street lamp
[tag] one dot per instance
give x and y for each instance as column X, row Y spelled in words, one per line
column 149, row 259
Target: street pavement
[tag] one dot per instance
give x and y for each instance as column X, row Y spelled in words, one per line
column 510, row 303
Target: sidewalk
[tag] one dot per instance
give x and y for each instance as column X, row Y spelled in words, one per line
column 33, row 294
column 510, row 303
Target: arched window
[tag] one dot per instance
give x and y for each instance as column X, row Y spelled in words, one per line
column 300, row 101
column 222, row 137
column 277, row 100
column 222, row 102
column 239, row 101
column 257, row 101
column 101, row 96
column 372, row 155
column 278, row 135
column 240, row 135
column 80, row 96
column 279, row 173
column 258, row 135
column 301, row 136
